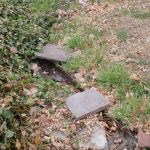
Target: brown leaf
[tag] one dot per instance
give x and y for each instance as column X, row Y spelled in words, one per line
column 9, row 86
column 80, row 75
column 143, row 140
column 73, row 127
column 37, row 140
column 14, row 50
column 18, row 144
column 135, row 77
column 33, row 111
column 31, row 91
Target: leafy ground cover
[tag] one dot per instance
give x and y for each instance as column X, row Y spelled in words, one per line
column 23, row 31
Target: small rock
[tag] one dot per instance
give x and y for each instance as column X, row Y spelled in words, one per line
column 143, row 140
column 82, row 2
column 56, row 134
column 54, row 53
column 85, row 103
column 47, row 138
column 94, row 140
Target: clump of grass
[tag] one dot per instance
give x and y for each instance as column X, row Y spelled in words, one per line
column 132, row 110
column 130, row 93
column 140, row 14
column 76, row 42
column 74, row 64
column 122, row 34
column 88, row 59
column 114, row 75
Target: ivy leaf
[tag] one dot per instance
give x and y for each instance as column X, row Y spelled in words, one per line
column 9, row 134
column 7, row 114
column 1, row 111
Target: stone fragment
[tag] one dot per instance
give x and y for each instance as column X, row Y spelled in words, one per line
column 143, row 140
column 95, row 139
column 54, row 53
column 85, row 103
column 56, row 134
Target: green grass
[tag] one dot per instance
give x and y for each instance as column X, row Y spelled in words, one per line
column 122, row 34
column 131, row 94
column 74, row 64
column 136, row 13
column 76, row 42
column 140, row 14
column 44, row 5
column 114, row 75
column 88, row 59
column 132, row 110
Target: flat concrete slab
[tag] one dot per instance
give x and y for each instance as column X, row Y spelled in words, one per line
column 54, row 53
column 85, row 103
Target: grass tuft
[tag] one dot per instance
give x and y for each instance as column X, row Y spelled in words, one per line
column 122, row 35
column 76, row 42
column 140, row 14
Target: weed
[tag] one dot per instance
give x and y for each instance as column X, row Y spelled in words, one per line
column 122, row 35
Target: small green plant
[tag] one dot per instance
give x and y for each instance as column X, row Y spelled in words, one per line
column 140, row 14
column 122, row 35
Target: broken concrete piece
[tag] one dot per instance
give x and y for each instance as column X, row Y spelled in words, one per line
column 143, row 140
column 96, row 139
column 85, row 103
column 53, row 52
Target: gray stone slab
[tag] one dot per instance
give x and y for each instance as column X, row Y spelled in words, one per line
column 53, row 52
column 85, row 103
column 95, row 139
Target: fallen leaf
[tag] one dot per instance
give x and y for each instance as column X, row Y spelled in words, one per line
column 18, row 144
column 73, row 127
column 37, row 140
column 135, row 77
column 143, row 139
column 31, row 91
column 9, row 134
column 35, row 69
column 14, row 50
column 79, row 77
column 94, row 73
column 9, row 86
column 119, row 140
